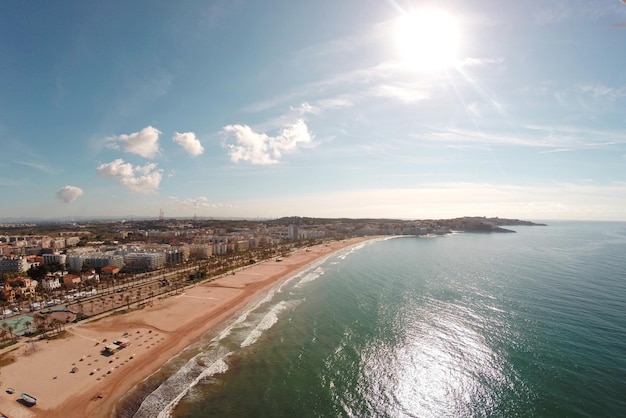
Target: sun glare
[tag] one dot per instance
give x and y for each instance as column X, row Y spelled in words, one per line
column 428, row 39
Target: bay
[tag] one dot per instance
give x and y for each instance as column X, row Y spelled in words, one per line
column 525, row 324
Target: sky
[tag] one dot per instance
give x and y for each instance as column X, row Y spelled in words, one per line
column 353, row 108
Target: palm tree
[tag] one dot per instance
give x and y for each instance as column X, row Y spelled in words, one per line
column 11, row 328
column 5, row 328
column 57, row 325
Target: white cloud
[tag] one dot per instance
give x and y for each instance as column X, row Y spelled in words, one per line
column 189, row 142
column 116, row 168
column 406, row 93
column 259, row 148
column 69, row 193
column 566, row 10
column 303, row 108
column 536, row 136
column 38, row 166
column 197, row 202
column 142, row 179
column 603, row 91
column 144, row 142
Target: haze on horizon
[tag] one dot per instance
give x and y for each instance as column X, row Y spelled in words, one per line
column 377, row 109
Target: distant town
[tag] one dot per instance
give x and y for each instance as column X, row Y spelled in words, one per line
column 68, row 271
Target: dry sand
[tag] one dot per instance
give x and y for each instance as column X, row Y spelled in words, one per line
column 156, row 334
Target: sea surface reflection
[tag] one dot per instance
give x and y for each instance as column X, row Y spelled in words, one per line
column 438, row 366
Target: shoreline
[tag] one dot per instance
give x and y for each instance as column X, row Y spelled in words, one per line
column 157, row 333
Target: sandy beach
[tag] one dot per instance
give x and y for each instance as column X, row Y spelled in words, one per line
column 70, row 377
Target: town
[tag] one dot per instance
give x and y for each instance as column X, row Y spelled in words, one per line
column 68, row 271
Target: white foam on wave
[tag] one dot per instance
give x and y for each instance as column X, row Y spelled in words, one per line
column 352, row 249
column 161, row 402
column 244, row 316
column 268, row 297
column 266, row 323
column 308, row 278
column 217, row 367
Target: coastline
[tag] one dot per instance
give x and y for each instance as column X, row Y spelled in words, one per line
column 156, row 334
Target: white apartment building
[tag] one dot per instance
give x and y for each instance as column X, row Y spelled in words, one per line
column 137, row 262
column 96, row 259
column 50, row 283
column 55, row 258
column 202, row 251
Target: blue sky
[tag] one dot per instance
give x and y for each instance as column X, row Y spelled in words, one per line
column 276, row 108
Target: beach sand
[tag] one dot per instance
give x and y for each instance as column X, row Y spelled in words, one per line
column 156, row 333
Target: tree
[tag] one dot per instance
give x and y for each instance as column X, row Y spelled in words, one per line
column 87, row 267
column 11, row 329
column 40, row 323
column 57, row 325
column 5, row 328
column 38, row 272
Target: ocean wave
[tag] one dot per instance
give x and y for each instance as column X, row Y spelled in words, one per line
column 241, row 319
column 161, row 402
column 308, row 278
column 266, row 323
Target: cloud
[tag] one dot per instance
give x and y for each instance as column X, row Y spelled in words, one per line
column 259, row 148
column 566, row 10
column 198, row 202
column 142, row 179
column 405, row 93
column 558, row 138
column 603, row 91
column 189, row 142
column 144, row 142
column 69, row 193
column 43, row 167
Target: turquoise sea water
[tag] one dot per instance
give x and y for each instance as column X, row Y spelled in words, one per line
column 468, row 325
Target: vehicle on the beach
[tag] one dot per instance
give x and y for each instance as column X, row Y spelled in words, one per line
column 111, row 349
column 116, row 346
column 27, row 399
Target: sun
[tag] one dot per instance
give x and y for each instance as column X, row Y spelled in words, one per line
column 428, row 39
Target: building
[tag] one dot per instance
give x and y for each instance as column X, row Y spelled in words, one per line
column 292, row 232
column 94, row 259
column 109, row 271
column 141, row 262
column 51, row 282
column 71, row 280
column 242, row 245
column 55, row 258
column 202, row 251
column 13, row 265
column 19, row 288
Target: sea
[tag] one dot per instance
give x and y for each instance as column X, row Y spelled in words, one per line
column 525, row 324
